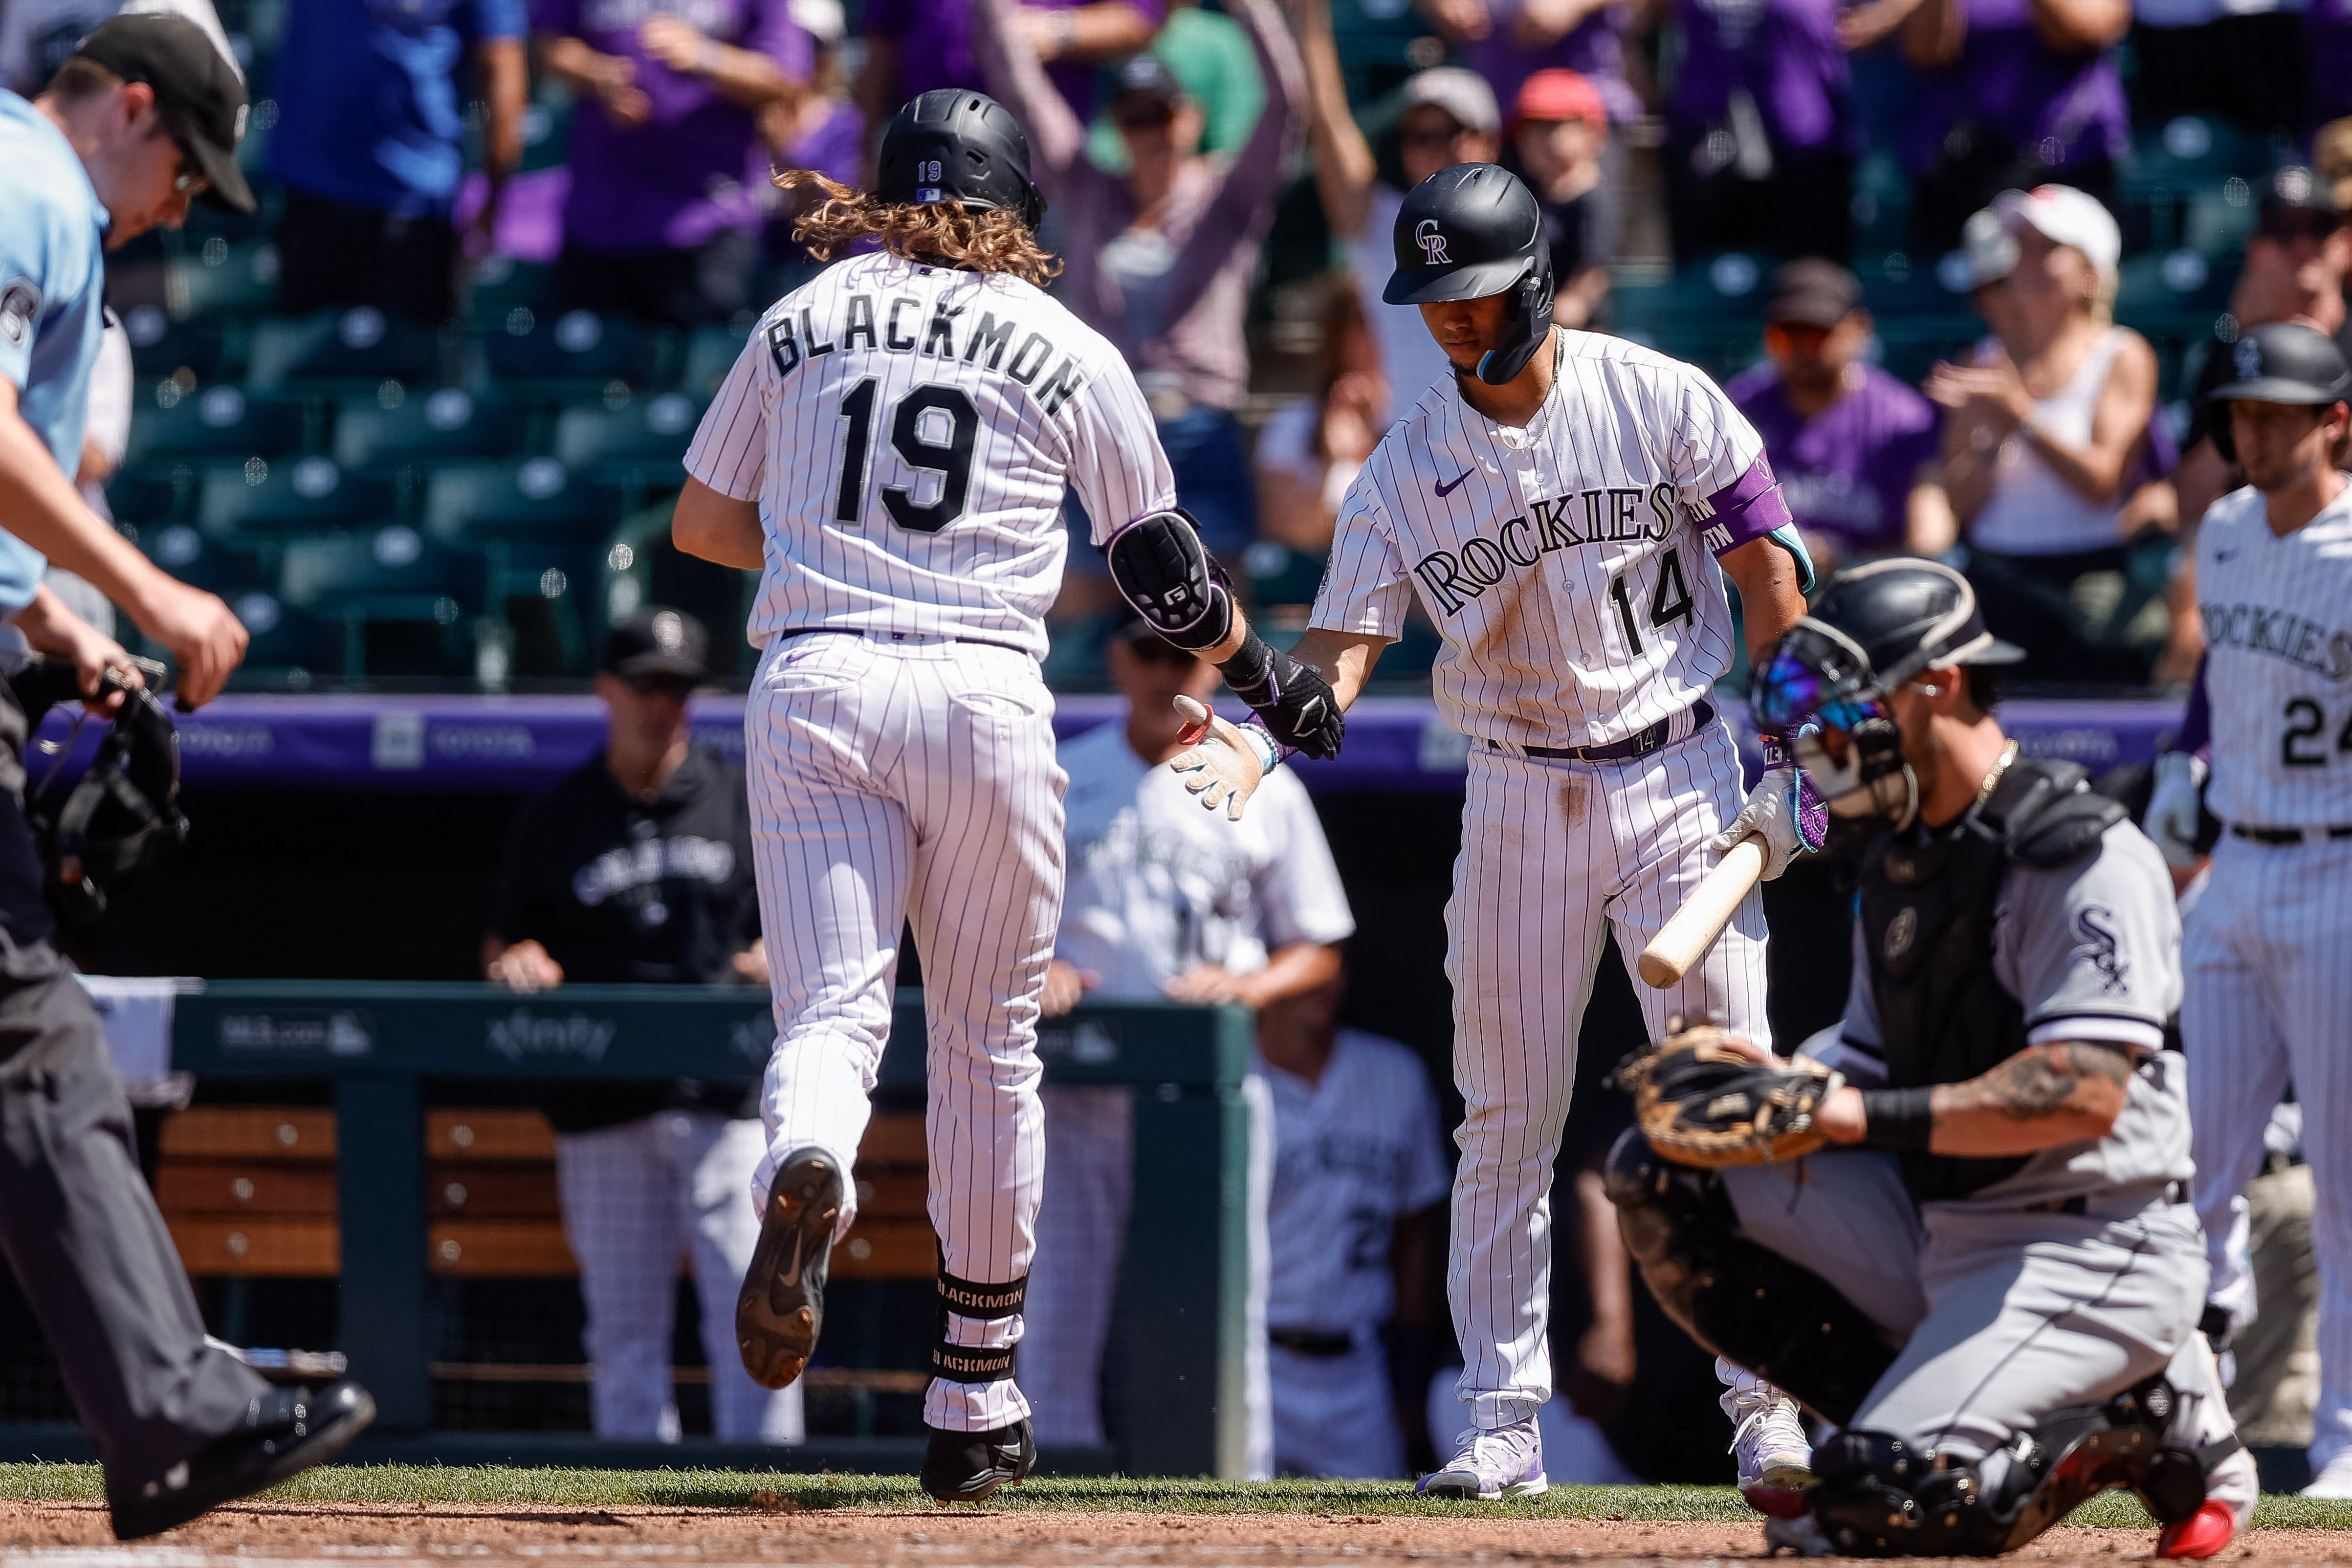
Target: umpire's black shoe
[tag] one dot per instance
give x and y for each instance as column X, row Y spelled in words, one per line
column 966, row 1467
column 782, row 1304
column 286, row 1431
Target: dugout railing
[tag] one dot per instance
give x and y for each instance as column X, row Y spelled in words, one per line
column 1183, row 1320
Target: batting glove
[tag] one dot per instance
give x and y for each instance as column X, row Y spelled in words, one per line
column 1770, row 814
column 1225, row 763
column 2173, row 809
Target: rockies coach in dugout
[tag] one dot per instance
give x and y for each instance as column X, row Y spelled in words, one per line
column 142, row 120
column 637, row 867
column 1988, row 1273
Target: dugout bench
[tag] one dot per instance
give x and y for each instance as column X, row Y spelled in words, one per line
column 384, row 1193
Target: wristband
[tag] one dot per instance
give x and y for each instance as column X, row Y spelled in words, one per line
column 1776, row 753
column 1900, row 1120
column 1271, row 753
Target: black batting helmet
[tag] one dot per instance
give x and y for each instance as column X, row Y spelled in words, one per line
column 954, row 145
column 1877, row 627
column 2281, row 363
column 1470, row 231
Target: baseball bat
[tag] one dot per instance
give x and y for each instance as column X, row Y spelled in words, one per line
column 1684, row 940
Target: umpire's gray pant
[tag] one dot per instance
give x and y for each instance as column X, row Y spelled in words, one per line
column 90, row 1251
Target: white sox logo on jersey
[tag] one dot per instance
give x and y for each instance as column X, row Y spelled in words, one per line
column 1431, row 243
column 901, row 328
column 1615, row 514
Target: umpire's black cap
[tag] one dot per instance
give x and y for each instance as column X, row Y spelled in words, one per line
column 2284, row 362
column 197, row 92
column 1463, row 234
column 657, row 642
column 952, row 145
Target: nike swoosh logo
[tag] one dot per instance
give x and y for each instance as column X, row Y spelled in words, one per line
column 2223, row 555
column 1456, row 483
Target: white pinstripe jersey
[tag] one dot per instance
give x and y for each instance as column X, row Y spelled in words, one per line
column 1570, row 567
column 908, row 432
column 2278, row 663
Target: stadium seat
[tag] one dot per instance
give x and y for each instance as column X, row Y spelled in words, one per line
column 578, row 354
column 218, row 277
column 139, row 495
column 652, row 433
column 220, row 422
column 548, row 593
column 291, row 649
column 711, row 354
column 293, row 493
column 501, row 283
column 359, row 346
column 160, row 346
column 407, row 601
column 537, row 498
column 448, row 423
column 212, row 564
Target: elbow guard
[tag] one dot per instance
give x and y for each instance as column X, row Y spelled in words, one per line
column 1163, row 570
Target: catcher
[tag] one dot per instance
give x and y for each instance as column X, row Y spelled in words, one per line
column 1964, row 1237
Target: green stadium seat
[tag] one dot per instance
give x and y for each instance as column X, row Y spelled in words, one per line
column 548, row 593
column 407, row 601
column 221, row 277
column 578, row 353
column 711, row 354
column 140, row 494
column 1281, row 576
column 439, row 425
column 501, row 283
column 645, row 432
column 160, row 346
column 293, row 493
column 291, row 649
column 219, row 422
column 539, row 497
column 212, row 564
column 359, row 346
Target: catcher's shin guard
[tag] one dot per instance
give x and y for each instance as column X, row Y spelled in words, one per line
column 1879, row 1496
column 2076, row 1453
column 1744, row 1302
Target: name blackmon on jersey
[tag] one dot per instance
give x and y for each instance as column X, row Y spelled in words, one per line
column 793, row 340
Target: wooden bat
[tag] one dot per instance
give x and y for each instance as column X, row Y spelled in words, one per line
column 1684, row 940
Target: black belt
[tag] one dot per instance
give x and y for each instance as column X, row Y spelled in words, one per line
column 2079, row 1205
column 2286, row 834
column 875, row 636
column 1309, row 1342
column 1632, row 748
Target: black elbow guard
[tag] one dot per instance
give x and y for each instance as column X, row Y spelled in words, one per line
column 1163, row 570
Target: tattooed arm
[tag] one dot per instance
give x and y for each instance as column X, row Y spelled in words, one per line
column 2043, row 1097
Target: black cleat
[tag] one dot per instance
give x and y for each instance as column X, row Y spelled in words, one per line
column 967, row 1466
column 782, row 1304
column 286, row 1431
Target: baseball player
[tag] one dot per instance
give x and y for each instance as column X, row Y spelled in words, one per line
column 1565, row 507
column 1164, row 903
column 891, row 451
column 2005, row 1272
column 141, row 122
column 2269, row 946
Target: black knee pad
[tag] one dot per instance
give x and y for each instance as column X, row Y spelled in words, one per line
column 1161, row 566
column 1744, row 1302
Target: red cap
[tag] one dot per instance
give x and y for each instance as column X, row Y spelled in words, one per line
column 1558, row 95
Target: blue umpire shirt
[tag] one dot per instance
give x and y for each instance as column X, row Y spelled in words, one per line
column 52, row 287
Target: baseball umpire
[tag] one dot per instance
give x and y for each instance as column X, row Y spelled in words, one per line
column 1992, row 1281
column 141, row 120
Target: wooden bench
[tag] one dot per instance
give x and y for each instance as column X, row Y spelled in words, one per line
column 250, row 1191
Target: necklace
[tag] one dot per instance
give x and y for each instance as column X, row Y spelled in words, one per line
column 1984, row 792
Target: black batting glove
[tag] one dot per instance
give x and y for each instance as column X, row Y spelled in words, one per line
column 1298, row 705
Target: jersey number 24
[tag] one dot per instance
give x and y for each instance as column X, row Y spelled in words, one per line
column 950, row 458
column 2306, row 719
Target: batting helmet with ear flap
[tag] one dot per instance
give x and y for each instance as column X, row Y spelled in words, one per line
column 1471, row 231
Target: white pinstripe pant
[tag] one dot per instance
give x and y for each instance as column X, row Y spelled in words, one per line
column 2266, row 961
column 1553, row 854
column 912, row 782
column 632, row 1195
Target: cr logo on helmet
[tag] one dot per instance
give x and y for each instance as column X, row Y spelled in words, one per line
column 1431, row 243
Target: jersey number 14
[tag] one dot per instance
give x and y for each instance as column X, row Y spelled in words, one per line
column 1669, row 603
column 949, row 459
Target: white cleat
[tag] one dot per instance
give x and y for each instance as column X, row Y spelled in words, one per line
column 1776, row 1460
column 2333, row 1480
column 1493, row 1465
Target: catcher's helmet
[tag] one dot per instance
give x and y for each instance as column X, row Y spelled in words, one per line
column 1470, row 231
column 954, row 145
column 2281, row 363
column 1877, row 627
column 117, row 817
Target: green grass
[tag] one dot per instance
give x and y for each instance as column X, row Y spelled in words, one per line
column 734, row 1489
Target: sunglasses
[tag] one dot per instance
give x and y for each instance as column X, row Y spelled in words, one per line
column 1782, row 338
column 2285, row 225
column 676, row 686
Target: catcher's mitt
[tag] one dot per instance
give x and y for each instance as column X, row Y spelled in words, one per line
column 1699, row 1102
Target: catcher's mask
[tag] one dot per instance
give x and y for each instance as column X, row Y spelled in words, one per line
column 121, row 813
column 1877, row 628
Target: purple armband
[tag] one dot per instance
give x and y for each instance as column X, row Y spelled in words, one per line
column 1750, row 508
column 2196, row 735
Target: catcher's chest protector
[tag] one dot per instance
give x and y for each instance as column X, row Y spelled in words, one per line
column 1927, row 913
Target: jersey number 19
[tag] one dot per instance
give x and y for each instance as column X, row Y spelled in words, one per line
column 924, row 451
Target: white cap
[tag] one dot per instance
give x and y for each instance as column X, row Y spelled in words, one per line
column 2064, row 216
column 1991, row 250
column 1462, row 94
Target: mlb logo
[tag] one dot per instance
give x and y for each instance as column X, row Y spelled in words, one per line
column 927, row 192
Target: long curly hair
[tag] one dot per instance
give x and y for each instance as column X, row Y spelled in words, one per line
column 940, row 231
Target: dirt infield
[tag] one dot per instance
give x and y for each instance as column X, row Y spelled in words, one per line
column 63, row 1534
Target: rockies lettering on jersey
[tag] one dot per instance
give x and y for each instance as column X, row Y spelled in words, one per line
column 1570, row 566
column 909, row 433
column 2278, row 630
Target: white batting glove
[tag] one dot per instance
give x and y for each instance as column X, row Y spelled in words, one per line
column 2172, row 808
column 1225, row 765
column 1771, row 812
